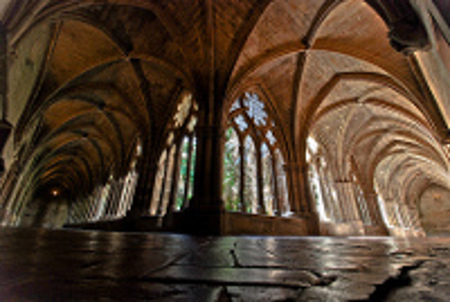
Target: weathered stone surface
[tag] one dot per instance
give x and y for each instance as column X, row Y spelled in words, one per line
column 44, row 265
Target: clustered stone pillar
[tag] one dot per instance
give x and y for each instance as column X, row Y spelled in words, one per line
column 350, row 212
column 393, row 209
column 205, row 214
column 297, row 180
column 415, row 222
column 147, row 168
column 5, row 126
column 375, row 213
column 407, row 32
column 300, row 201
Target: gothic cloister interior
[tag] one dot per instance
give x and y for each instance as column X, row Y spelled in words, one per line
column 325, row 118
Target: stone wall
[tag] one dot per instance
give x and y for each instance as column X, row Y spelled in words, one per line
column 251, row 224
column 434, row 211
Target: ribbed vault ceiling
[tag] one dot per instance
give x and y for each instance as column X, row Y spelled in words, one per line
column 94, row 77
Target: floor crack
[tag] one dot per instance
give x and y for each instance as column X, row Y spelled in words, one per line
column 235, row 258
column 393, row 283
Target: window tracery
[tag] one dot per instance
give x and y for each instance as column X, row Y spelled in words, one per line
column 173, row 184
column 324, row 189
column 109, row 201
column 254, row 178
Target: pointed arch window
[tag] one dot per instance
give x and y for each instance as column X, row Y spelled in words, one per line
column 321, row 189
column 361, row 201
column 250, row 176
column 173, row 184
column 108, row 201
column 254, row 179
column 232, row 164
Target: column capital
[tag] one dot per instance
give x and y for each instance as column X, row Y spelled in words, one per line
column 407, row 33
column 5, row 131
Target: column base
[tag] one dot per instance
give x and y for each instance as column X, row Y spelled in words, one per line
column 371, row 230
column 350, row 228
column 197, row 221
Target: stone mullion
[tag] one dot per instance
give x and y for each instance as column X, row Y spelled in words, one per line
column 325, row 198
column 334, row 210
column 89, row 208
column 276, row 192
column 175, row 178
column 259, row 181
column 242, row 175
column 122, row 198
column 188, row 172
column 108, row 201
column 94, row 207
column 94, row 204
column 98, row 205
column 118, row 199
column 111, row 200
column 159, row 210
column 125, row 192
column 362, row 208
column 337, row 205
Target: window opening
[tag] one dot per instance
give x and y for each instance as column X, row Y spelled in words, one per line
column 232, row 177
column 254, row 178
column 173, row 184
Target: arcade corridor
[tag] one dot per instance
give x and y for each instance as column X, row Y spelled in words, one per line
column 274, row 117
column 224, row 150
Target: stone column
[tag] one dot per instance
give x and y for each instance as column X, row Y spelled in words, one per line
column 188, row 171
column 297, row 185
column 205, row 212
column 391, row 212
column 300, row 197
column 415, row 222
column 405, row 216
column 175, row 179
column 375, row 213
column 350, row 212
column 333, row 209
column 5, row 126
column 147, row 168
column 7, row 186
column 5, row 131
column 346, row 196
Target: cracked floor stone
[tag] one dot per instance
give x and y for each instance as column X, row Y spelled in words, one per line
column 69, row 265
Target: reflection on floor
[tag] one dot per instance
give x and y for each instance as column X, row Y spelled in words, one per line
column 67, row 265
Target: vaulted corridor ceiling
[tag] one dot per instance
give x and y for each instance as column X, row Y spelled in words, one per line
column 89, row 81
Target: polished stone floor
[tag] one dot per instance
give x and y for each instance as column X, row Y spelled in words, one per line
column 68, row 265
